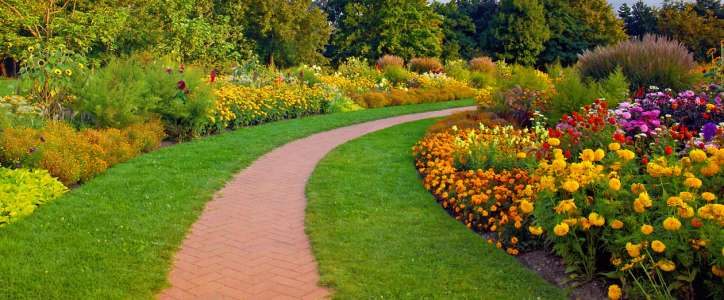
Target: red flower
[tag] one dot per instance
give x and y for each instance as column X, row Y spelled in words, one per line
column 675, row 105
column 213, row 76
column 696, row 222
column 669, row 150
column 567, row 153
column 565, row 118
column 705, row 115
column 181, row 85
column 644, row 161
column 546, row 145
column 604, row 105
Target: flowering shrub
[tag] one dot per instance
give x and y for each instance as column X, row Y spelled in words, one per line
column 434, row 80
column 422, row 65
column 396, row 97
column 22, row 190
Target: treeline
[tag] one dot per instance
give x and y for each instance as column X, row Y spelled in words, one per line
column 291, row 32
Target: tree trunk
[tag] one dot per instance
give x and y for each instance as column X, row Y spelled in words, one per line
column 2, row 67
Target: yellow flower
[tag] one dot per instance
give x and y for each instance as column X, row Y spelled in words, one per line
column 626, row 155
column 717, row 271
column 614, row 146
column 615, row 184
column 616, row 224
column 638, row 188
column 571, row 186
column 521, row 155
column 658, row 246
column 554, row 142
column 645, row 200
column 674, row 201
column 561, row 229
column 672, row 223
column 526, row 206
column 667, row 265
column 638, row 206
column 686, row 196
column 638, row 259
column 697, row 155
column 57, row 72
column 614, row 292
column 80, row 65
column 626, row 267
column 587, row 155
column 599, row 155
column 616, row 262
column 708, row 196
column 633, row 250
column 570, row 222
column 68, row 72
column 565, row 206
column 31, row 49
column 686, row 211
column 647, row 229
column 692, row 182
column 536, row 230
column 514, row 240
column 596, row 219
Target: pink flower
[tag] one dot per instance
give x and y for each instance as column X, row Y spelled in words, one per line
column 213, row 76
column 181, row 85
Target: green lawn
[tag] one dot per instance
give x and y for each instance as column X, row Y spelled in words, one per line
column 378, row 233
column 8, row 86
column 115, row 236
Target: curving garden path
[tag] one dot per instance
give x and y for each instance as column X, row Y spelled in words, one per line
column 250, row 243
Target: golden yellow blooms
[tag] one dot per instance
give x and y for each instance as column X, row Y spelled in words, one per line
column 638, row 206
column 571, row 222
column 596, row 219
column 708, row 196
column 633, row 250
column 692, row 182
column 626, row 155
column 645, row 200
column 666, row 265
column 614, row 146
column 616, row 224
column 672, row 223
column 554, row 142
column 638, row 259
column 514, row 240
column 571, row 186
column 686, row 211
column 717, row 271
column 674, row 201
column 587, row 155
column 536, row 230
column 697, row 155
column 599, row 155
column 521, row 155
column 614, row 292
column 710, row 169
column 637, row 188
column 658, row 246
column 561, row 229
column 686, row 196
column 526, row 206
column 565, row 206
column 647, row 229
column 615, row 184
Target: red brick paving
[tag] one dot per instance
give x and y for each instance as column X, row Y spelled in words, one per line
column 249, row 243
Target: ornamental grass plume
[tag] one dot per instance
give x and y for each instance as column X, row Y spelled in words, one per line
column 390, row 60
column 483, row 64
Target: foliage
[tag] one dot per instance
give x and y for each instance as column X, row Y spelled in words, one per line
column 307, row 75
column 567, row 30
column 639, row 20
column 603, row 28
column 518, row 30
column 23, row 190
column 50, row 70
column 483, row 79
column 697, row 33
column 390, row 60
column 17, row 111
column 526, row 78
column 482, row 64
column 457, row 69
column 422, row 65
column 116, row 95
column 458, row 30
column 372, row 28
column 396, row 75
column 376, row 99
column 651, row 61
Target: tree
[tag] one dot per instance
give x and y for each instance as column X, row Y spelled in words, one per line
column 566, row 31
column 641, row 20
column 603, row 26
column 373, row 28
column 481, row 12
column 698, row 33
column 458, row 31
column 518, row 30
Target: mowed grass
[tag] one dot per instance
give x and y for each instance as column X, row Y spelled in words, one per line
column 115, row 236
column 9, row 86
column 377, row 233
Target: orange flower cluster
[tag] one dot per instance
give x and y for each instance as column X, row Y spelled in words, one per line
column 376, row 99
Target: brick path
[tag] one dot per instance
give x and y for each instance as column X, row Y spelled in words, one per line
column 249, row 243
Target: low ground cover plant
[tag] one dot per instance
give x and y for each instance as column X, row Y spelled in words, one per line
column 23, row 190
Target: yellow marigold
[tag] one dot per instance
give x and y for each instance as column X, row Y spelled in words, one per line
column 614, row 146
column 616, row 224
column 674, row 201
column 638, row 206
column 626, row 155
column 514, row 240
column 686, row 196
column 599, row 155
column 638, row 259
column 614, row 292
column 571, row 222
column 666, row 265
column 596, row 219
column 526, row 206
column 710, row 169
column 559, row 165
column 615, row 184
column 645, row 200
column 584, row 223
column 616, row 262
column 554, row 142
column 587, row 155
column 692, row 182
column 686, row 211
column 561, row 229
column 565, row 206
column 548, row 182
column 658, row 246
column 722, row 251
column 633, row 250
column 717, row 271
column 521, row 155
column 697, row 155
column 571, row 186
column 626, row 267
column 672, row 223
column 647, row 229
column 638, row 188
column 535, row 230
column 705, row 212
column 708, row 196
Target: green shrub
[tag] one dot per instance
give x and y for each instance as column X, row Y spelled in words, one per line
column 525, row 77
column 396, row 74
column 184, row 99
column 390, row 60
column 422, row 65
column 457, row 69
column 116, row 95
column 571, row 94
column 306, row 74
column 354, row 68
column 651, row 61
column 22, row 190
column 483, row 79
column 483, row 64
column 615, row 88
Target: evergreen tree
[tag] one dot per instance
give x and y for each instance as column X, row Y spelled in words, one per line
column 518, row 30
column 458, row 31
column 643, row 20
column 566, row 31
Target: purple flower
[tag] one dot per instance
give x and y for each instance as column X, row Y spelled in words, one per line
column 624, row 105
column 42, row 139
column 689, row 93
column 169, row 71
column 32, row 149
column 644, row 128
column 181, row 71
column 636, row 109
column 708, row 131
column 18, row 166
column 181, row 85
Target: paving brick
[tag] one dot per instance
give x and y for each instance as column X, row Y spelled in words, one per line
column 249, row 243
